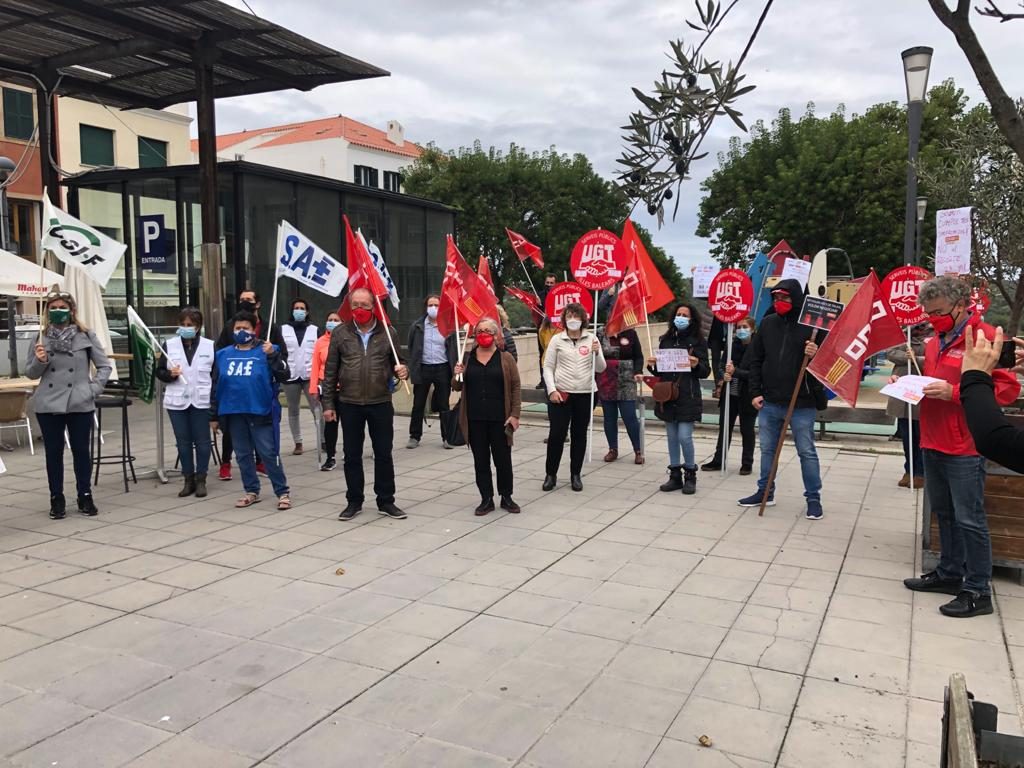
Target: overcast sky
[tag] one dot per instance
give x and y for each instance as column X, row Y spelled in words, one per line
column 542, row 74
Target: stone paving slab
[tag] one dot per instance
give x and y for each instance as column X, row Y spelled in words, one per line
column 612, row 627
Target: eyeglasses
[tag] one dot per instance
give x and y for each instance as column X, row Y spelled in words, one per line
column 54, row 295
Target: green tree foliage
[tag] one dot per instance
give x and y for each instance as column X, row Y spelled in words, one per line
column 824, row 182
column 982, row 170
column 550, row 198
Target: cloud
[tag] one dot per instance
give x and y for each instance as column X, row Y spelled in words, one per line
column 542, row 74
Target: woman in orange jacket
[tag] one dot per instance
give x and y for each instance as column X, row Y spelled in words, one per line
column 316, row 374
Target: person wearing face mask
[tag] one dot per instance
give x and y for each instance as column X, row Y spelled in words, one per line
column 491, row 403
column 186, row 369
column 360, row 365
column 316, row 375
column 299, row 337
column 569, row 368
column 248, row 301
column 64, row 401
column 616, row 388
column 736, row 386
column 954, row 473
column 431, row 357
column 246, row 381
column 681, row 412
column 776, row 357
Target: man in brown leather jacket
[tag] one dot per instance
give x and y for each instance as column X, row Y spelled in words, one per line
column 359, row 364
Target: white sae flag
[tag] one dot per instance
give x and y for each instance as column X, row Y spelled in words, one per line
column 79, row 245
column 301, row 259
column 378, row 262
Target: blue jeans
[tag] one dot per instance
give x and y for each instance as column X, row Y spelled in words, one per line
column 680, row 439
column 261, row 434
column 956, row 492
column 903, row 430
column 192, row 436
column 769, row 423
column 612, row 409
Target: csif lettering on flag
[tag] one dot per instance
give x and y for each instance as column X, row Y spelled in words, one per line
column 301, row 259
column 865, row 327
column 79, row 245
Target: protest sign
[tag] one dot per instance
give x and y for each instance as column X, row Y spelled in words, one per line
column 703, row 274
column 598, row 260
column 909, row 389
column 796, row 269
column 564, row 294
column 953, row 241
column 673, row 360
column 819, row 313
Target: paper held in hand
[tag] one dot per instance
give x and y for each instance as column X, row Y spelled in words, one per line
column 673, row 360
column 909, row 389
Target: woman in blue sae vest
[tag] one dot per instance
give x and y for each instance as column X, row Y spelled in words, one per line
column 246, row 381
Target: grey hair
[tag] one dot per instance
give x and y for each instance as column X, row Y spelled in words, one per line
column 945, row 287
column 492, row 321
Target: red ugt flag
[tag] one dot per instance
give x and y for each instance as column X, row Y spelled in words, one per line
column 483, row 271
column 527, row 299
column 462, row 293
column 361, row 274
column 865, row 327
column 630, row 309
column 524, row 248
column 655, row 290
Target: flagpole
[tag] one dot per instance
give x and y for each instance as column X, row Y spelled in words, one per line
column 593, row 386
column 726, row 426
column 458, row 338
column 387, row 332
column 530, row 279
column 910, row 423
column 42, row 272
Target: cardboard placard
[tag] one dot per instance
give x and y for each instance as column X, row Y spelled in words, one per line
column 953, row 241
column 796, row 269
column 703, row 274
column 673, row 360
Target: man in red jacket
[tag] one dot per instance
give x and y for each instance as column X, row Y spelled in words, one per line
column 954, row 473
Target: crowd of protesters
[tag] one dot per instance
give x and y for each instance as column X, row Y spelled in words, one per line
column 349, row 370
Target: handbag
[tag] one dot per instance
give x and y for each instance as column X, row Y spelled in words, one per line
column 664, row 391
column 450, row 424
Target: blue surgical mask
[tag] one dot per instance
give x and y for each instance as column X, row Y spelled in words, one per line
column 742, row 334
column 187, row 331
column 299, row 315
column 330, row 325
column 681, row 323
column 244, row 337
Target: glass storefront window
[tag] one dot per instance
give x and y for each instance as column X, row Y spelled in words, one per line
column 267, row 201
column 153, row 248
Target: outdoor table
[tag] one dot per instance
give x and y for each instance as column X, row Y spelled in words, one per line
column 22, row 382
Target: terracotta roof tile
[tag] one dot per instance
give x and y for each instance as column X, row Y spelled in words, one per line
column 340, row 126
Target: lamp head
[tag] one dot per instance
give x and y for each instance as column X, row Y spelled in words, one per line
column 7, row 167
column 922, row 207
column 916, row 64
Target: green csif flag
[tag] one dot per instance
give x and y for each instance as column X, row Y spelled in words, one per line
column 144, row 353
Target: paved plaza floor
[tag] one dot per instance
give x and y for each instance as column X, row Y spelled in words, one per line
column 618, row 627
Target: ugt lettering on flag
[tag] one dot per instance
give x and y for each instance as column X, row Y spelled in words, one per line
column 301, row 259
column 79, row 245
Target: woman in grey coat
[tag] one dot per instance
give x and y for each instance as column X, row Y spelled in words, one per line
column 66, row 395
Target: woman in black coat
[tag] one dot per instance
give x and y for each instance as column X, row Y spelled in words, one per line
column 681, row 412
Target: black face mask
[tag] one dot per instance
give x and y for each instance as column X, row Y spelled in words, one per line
column 247, row 306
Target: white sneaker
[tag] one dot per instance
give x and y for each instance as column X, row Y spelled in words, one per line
column 413, row 443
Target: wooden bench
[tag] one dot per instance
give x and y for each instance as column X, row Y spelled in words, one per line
column 969, row 735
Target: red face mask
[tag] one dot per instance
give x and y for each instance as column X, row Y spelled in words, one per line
column 485, row 340
column 362, row 315
column 941, row 323
column 782, row 307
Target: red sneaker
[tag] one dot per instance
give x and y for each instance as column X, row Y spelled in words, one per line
column 261, row 469
column 225, row 471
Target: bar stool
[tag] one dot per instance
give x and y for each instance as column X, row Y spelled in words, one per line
column 125, row 457
column 214, row 452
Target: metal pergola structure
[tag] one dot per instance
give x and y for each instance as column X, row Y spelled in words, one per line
column 154, row 53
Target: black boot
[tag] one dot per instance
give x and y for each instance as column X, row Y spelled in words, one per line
column 549, row 483
column 200, row 485
column 86, row 505
column 675, row 479
column 689, row 480
column 57, row 507
column 189, row 488
column 715, row 465
column 576, row 482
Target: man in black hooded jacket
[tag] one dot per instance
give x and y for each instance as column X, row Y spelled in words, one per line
column 776, row 355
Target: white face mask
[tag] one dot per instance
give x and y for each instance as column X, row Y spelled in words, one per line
column 432, row 313
column 573, row 325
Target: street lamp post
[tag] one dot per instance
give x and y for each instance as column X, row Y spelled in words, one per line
column 916, row 63
column 922, row 208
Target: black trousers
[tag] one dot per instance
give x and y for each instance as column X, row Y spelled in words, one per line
column 438, row 376
column 747, row 421
column 79, row 427
column 570, row 418
column 487, row 441
column 331, row 438
column 380, row 420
